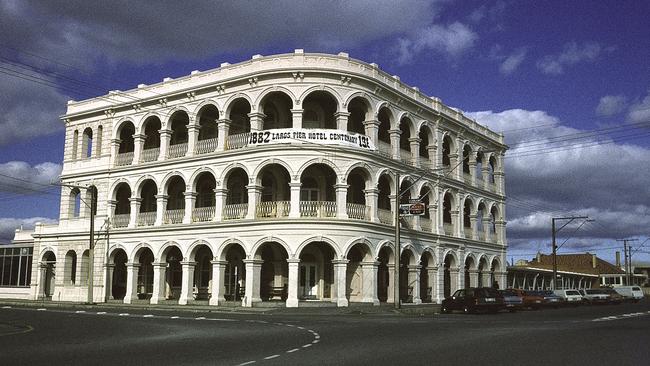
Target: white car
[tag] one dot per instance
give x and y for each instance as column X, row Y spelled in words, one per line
column 571, row 297
column 633, row 293
column 595, row 296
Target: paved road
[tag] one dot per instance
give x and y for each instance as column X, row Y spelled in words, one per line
column 595, row 335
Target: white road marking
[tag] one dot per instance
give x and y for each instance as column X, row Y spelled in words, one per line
column 101, row 312
column 174, row 317
column 200, row 318
column 80, row 311
column 6, row 307
column 246, row 363
column 315, row 341
column 306, row 345
column 293, row 350
column 271, row 357
column 41, row 309
column 123, row 314
column 148, row 316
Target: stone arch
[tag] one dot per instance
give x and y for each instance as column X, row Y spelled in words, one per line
column 204, row 169
column 387, row 172
column 495, row 263
column 233, row 98
column 165, row 181
column 225, row 173
column 192, row 249
column 323, row 161
column 365, row 97
column 326, row 89
column 140, row 125
column 141, row 181
column 470, row 256
column 428, row 251
column 406, row 116
column 226, row 244
column 117, row 127
column 137, row 251
column 272, row 89
column 453, row 255
column 363, row 166
column 164, row 249
column 269, row 239
column 171, row 112
column 415, row 254
column 204, row 103
column 386, row 244
column 114, row 248
column 359, row 240
column 314, row 239
column 271, row 161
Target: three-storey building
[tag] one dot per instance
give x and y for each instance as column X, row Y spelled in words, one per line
column 273, row 179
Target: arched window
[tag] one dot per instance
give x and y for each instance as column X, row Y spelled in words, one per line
column 87, row 142
column 70, row 274
column 75, row 203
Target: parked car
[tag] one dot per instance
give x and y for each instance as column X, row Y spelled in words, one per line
column 529, row 300
column 571, row 297
column 474, row 299
column 630, row 293
column 550, row 298
column 512, row 300
column 614, row 297
column 595, row 296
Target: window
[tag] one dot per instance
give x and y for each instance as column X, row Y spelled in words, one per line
column 15, row 267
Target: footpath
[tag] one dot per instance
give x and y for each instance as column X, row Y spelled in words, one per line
column 304, row 308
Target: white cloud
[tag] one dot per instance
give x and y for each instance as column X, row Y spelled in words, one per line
column 640, row 112
column 512, row 62
column 610, row 105
column 28, row 179
column 8, row 226
column 572, row 54
column 591, row 176
column 451, row 40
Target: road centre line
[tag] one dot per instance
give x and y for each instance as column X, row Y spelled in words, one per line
column 271, row 357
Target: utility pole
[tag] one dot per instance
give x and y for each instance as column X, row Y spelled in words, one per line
column 627, row 251
column 396, row 282
column 570, row 218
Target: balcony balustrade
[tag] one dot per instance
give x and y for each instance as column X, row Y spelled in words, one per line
column 384, row 148
column 150, row 154
column 174, row 216
column 202, row 214
column 405, row 157
column 124, row 159
column 448, row 228
column 426, row 224
column 237, row 141
column 273, row 209
column 206, row 146
column 468, row 232
column 177, row 150
column 317, row 209
column 385, row 216
column 121, row 220
column 146, row 218
column 358, row 211
column 235, row 211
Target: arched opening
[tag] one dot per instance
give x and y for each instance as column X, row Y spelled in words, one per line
column 480, row 157
column 467, row 174
column 467, row 218
column 405, row 126
column 273, row 272
column 48, row 274
column 208, row 129
column 492, row 168
column 386, row 261
column 202, row 272
column 178, row 141
column 427, row 276
column 118, row 281
column 121, row 215
column 494, row 216
column 87, row 142
column 358, row 180
column 276, row 107
column 148, row 203
column 237, row 195
column 276, row 195
column 151, row 146
column 83, row 273
column 426, row 136
column 70, row 268
column 74, row 210
column 358, row 109
column 495, row 268
column 173, row 273
column 383, row 200
column 359, row 254
column 449, row 264
column 144, row 258
column 425, row 219
column 317, row 193
column 316, row 272
column 175, row 209
column 447, row 222
column 405, row 198
column 406, row 276
column 385, row 118
column 205, row 199
column 447, row 147
column 319, row 108
column 90, row 192
column 235, row 278
column 470, row 266
column 240, row 121
column 481, row 218
column 483, row 279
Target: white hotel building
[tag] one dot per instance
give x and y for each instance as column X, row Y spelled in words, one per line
column 273, row 179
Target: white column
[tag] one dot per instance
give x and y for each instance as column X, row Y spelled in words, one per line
column 138, row 142
column 342, row 120
column 292, row 290
column 390, row 298
column 294, row 210
column 439, row 291
column 455, row 280
column 341, row 200
column 131, row 282
column 253, row 280
column 296, row 117
column 190, row 198
column 473, row 221
column 473, row 278
column 256, row 121
column 220, row 195
column 223, row 129
column 218, row 276
column 254, row 192
column 187, row 283
column 165, row 138
column 158, row 282
column 394, row 142
column 115, row 149
column 192, row 137
column 415, row 151
column 432, row 150
column 372, row 129
column 340, row 281
column 135, row 207
column 414, row 281
column 161, row 206
column 372, row 197
column 369, row 282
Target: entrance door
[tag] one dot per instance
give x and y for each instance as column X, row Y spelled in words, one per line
column 308, row 281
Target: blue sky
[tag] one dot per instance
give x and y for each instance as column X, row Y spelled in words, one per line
column 567, row 82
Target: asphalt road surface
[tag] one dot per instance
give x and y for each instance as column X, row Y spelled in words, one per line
column 589, row 335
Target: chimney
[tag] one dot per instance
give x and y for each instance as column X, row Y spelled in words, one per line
column 618, row 259
column 539, row 257
column 594, row 260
